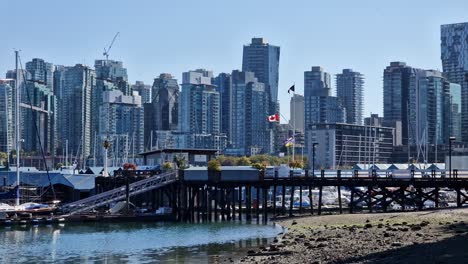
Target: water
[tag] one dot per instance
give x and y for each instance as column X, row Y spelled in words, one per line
column 132, row 242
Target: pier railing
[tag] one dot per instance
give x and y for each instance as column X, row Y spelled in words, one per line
column 119, row 193
column 389, row 174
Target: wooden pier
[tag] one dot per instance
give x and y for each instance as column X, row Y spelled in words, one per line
column 217, row 200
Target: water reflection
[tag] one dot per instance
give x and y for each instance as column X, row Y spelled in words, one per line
column 132, row 242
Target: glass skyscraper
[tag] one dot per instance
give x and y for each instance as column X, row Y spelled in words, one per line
column 434, row 113
column 161, row 114
column 427, row 108
column 199, row 111
column 320, row 106
column 317, row 82
column 73, row 88
column 6, row 116
column 455, row 128
column 349, row 88
column 122, row 123
column 297, row 112
column 40, row 71
column 249, row 132
column 110, row 75
column 39, row 121
column 396, row 82
column 143, row 90
column 454, row 55
column 223, row 86
column 262, row 59
column 43, row 114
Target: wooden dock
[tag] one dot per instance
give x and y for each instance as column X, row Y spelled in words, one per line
column 250, row 199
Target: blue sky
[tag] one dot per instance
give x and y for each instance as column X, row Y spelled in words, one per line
column 176, row 36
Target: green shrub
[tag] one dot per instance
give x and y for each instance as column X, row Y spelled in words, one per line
column 259, row 166
column 167, row 166
column 214, row 165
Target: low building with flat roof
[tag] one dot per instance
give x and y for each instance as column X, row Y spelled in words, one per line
column 341, row 146
column 194, row 157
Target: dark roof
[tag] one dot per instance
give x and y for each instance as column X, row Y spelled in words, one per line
column 40, row 179
column 174, row 150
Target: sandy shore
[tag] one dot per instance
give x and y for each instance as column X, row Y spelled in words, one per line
column 439, row 236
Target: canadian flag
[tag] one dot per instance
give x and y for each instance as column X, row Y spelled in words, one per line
column 274, row 118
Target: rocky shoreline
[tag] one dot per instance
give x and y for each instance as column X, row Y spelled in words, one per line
column 437, row 236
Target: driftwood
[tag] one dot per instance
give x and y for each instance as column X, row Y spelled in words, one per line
column 270, row 253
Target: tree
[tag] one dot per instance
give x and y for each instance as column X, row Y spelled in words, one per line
column 3, row 157
column 227, row 160
column 243, row 161
column 259, row 166
column 214, row 165
column 261, row 159
column 167, row 166
column 296, row 164
column 180, row 161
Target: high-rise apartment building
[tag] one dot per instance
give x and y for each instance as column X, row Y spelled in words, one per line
column 39, row 112
column 199, row 111
column 262, row 59
column 349, row 88
column 320, row 106
column 249, row 131
column 110, row 76
column 297, row 109
column 6, row 116
column 122, row 124
column 454, row 55
column 143, row 90
column 317, row 82
column 396, row 82
column 110, row 70
column 73, row 89
column 223, row 86
column 38, row 122
column 161, row 114
column 432, row 102
column 455, row 106
column 40, row 71
column 11, row 76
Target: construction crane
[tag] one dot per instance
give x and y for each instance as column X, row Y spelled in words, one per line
column 106, row 51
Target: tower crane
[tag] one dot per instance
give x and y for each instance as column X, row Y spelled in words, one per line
column 106, row 51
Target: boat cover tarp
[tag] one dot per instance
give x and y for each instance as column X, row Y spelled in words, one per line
column 40, row 179
column 81, row 181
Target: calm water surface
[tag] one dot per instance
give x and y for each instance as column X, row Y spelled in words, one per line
column 132, row 242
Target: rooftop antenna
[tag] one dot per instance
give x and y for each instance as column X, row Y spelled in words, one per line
column 106, row 51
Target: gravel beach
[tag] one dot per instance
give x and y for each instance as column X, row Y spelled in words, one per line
column 438, row 236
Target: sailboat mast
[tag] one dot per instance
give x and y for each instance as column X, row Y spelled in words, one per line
column 94, row 151
column 17, row 127
column 66, row 152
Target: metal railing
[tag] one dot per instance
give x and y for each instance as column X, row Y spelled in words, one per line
column 391, row 174
column 119, row 193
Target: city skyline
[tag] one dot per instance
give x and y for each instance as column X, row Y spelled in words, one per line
column 306, row 38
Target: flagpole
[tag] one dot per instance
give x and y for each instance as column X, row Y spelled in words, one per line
column 294, row 125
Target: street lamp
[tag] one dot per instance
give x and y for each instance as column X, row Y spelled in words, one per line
column 450, row 155
column 313, row 158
